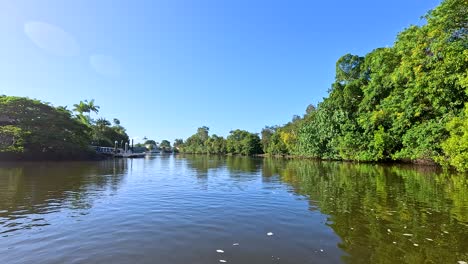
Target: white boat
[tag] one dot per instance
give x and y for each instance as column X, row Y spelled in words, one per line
column 129, row 154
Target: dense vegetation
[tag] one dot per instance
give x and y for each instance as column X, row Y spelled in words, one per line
column 406, row 102
column 31, row 129
column 239, row 142
column 394, row 103
column 401, row 102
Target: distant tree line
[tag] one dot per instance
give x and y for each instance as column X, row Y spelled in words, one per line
column 238, row 142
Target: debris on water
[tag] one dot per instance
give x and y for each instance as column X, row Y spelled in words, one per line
column 222, row 261
column 406, row 234
column 220, row 251
column 235, row 244
column 446, row 232
column 404, row 227
column 352, row 228
column 462, row 262
column 321, row 250
column 429, row 239
column 394, row 242
column 416, row 245
column 269, row 233
column 388, row 230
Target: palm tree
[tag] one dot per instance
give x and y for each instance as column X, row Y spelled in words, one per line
column 92, row 107
column 102, row 123
column 81, row 108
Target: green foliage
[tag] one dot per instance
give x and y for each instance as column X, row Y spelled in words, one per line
column 195, row 144
column 242, row 142
column 267, row 134
column 105, row 135
column 102, row 132
column 456, row 146
column 31, row 128
column 165, row 145
column 11, row 139
column 393, row 103
column 178, row 143
column 215, row 145
column 422, row 141
column 150, row 142
column 239, row 142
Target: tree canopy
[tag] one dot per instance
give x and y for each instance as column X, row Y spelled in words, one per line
column 31, row 129
column 405, row 102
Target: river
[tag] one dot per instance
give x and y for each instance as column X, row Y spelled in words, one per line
column 210, row 209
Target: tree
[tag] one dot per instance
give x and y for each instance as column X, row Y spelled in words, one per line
column 102, row 123
column 178, row 142
column 165, row 145
column 203, row 133
column 455, row 148
column 11, row 139
column 310, row 109
column 92, row 107
column 242, row 142
column 81, row 107
column 150, row 142
column 36, row 130
column 266, row 134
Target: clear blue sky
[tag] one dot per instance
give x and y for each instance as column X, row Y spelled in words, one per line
column 167, row 67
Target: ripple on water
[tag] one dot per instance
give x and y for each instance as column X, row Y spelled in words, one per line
column 182, row 210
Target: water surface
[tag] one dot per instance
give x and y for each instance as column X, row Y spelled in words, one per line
column 181, row 209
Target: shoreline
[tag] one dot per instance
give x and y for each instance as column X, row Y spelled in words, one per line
column 99, row 157
column 419, row 162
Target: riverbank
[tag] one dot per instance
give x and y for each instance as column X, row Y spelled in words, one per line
column 420, row 162
column 425, row 162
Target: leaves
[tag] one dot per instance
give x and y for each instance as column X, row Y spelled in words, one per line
column 393, row 103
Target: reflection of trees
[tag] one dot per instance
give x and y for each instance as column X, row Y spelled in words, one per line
column 238, row 166
column 243, row 164
column 371, row 207
column 38, row 188
column 203, row 163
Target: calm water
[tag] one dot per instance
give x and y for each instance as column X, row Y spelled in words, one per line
column 167, row 209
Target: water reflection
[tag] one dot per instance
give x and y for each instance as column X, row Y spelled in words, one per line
column 389, row 214
column 30, row 191
column 243, row 165
column 382, row 213
column 320, row 212
column 201, row 164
